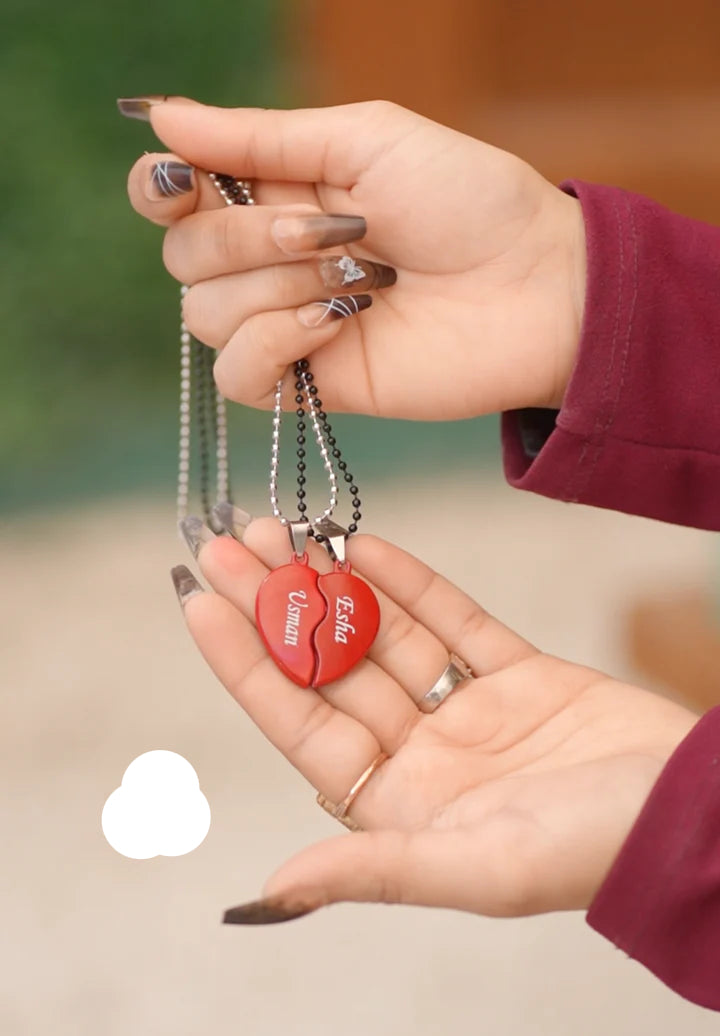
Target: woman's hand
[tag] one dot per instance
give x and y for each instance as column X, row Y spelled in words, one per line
column 490, row 258
column 512, row 798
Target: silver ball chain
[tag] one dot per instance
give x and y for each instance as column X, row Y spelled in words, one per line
column 234, row 192
column 312, row 407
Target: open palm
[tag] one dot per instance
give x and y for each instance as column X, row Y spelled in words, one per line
column 512, row 798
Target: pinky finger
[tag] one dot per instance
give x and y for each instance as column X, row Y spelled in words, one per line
column 259, row 353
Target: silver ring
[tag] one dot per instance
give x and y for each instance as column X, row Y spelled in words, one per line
column 454, row 673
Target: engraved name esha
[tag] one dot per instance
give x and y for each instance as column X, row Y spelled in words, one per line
column 297, row 600
column 344, row 607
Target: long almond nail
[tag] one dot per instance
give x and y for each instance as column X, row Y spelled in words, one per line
column 309, row 233
column 168, row 179
column 232, row 519
column 139, row 107
column 272, row 910
column 195, row 532
column 339, row 271
column 185, row 583
column 315, row 313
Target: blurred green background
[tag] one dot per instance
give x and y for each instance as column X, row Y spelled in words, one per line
column 90, row 317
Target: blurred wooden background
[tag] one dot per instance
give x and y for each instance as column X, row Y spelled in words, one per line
column 624, row 92
column 619, row 92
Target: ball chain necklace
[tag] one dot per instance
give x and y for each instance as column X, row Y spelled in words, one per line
column 315, row 627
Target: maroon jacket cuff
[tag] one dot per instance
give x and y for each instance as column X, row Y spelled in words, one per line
column 639, row 427
column 660, row 903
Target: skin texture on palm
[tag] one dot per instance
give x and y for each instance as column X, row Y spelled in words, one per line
column 513, row 798
column 486, row 311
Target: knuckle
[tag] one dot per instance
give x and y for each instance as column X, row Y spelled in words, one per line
column 226, row 237
column 381, row 110
column 260, row 337
column 192, row 312
column 225, row 379
column 278, row 281
column 400, row 629
column 200, row 317
column 173, row 255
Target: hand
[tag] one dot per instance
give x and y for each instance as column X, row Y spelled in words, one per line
column 512, row 798
column 490, row 259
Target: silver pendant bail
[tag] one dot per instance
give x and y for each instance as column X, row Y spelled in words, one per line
column 298, row 532
column 335, row 537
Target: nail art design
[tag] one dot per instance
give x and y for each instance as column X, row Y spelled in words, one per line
column 272, row 910
column 339, row 271
column 185, row 583
column 170, row 178
column 195, row 532
column 139, row 107
column 232, row 519
column 310, row 233
column 338, row 308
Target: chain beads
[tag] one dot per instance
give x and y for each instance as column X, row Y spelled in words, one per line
column 210, row 407
column 209, row 404
column 326, row 443
column 275, row 460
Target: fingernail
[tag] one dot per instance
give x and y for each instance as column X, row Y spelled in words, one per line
column 272, row 910
column 308, row 233
column 232, row 519
column 315, row 313
column 338, row 271
column 139, row 107
column 186, row 585
column 168, row 179
column 195, row 532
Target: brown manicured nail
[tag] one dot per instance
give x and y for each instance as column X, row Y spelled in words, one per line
column 340, row 271
column 195, row 532
column 309, row 233
column 139, row 107
column 315, row 313
column 168, row 179
column 232, row 519
column 272, row 910
column 185, row 583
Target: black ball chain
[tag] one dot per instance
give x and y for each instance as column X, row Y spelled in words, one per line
column 305, row 383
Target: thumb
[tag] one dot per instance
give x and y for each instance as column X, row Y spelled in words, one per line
column 329, row 145
column 423, row 868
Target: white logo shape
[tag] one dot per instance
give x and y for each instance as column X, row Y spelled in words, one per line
column 158, row 810
column 351, row 270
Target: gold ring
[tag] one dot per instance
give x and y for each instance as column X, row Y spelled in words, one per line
column 339, row 809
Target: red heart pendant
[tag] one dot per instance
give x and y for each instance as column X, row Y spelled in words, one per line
column 316, row 628
column 349, row 627
column 288, row 608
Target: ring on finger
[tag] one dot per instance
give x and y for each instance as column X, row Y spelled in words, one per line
column 339, row 810
column 454, row 673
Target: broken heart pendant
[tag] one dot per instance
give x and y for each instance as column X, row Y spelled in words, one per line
column 316, row 627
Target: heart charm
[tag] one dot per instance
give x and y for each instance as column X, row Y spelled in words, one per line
column 288, row 608
column 315, row 628
column 350, row 626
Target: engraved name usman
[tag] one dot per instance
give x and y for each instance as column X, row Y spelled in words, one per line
column 344, row 607
column 288, row 609
column 297, row 601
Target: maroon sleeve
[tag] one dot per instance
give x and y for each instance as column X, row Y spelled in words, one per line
column 660, row 903
column 639, row 427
